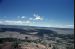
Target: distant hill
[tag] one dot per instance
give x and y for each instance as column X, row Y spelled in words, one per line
column 32, row 31
column 35, row 28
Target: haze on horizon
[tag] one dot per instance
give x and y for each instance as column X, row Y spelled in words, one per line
column 47, row 13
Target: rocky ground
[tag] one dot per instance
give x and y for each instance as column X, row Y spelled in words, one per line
column 8, row 45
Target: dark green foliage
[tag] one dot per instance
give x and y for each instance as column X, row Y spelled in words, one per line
column 26, row 38
column 8, row 40
column 35, row 41
column 69, row 47
column 58, row 41
column 54, row 47
column 49, row 45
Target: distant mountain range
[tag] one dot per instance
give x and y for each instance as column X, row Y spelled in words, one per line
column 35, row 28
column 32, row 31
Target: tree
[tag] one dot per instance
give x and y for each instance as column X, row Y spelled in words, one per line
column 26, row 38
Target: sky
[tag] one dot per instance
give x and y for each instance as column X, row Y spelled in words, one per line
column 45, row 13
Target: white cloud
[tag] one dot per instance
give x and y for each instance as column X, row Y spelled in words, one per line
column 59, row 26
column 23, row 17
column 19, row 21
column 1, row 22
column 70, row 25
column 11, row 22
column 28, row 21
column 14, row 22
column 37, row 17
column 64, row 26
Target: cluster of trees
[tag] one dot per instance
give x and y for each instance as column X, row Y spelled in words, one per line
column 8, row 40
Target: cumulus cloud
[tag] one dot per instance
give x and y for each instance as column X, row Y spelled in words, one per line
column 37, row 17
column 22, row 22
column 22, row 17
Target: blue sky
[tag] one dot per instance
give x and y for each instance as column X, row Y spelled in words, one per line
column 47, row 13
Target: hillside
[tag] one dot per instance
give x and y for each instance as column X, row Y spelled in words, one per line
column 33, row 36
